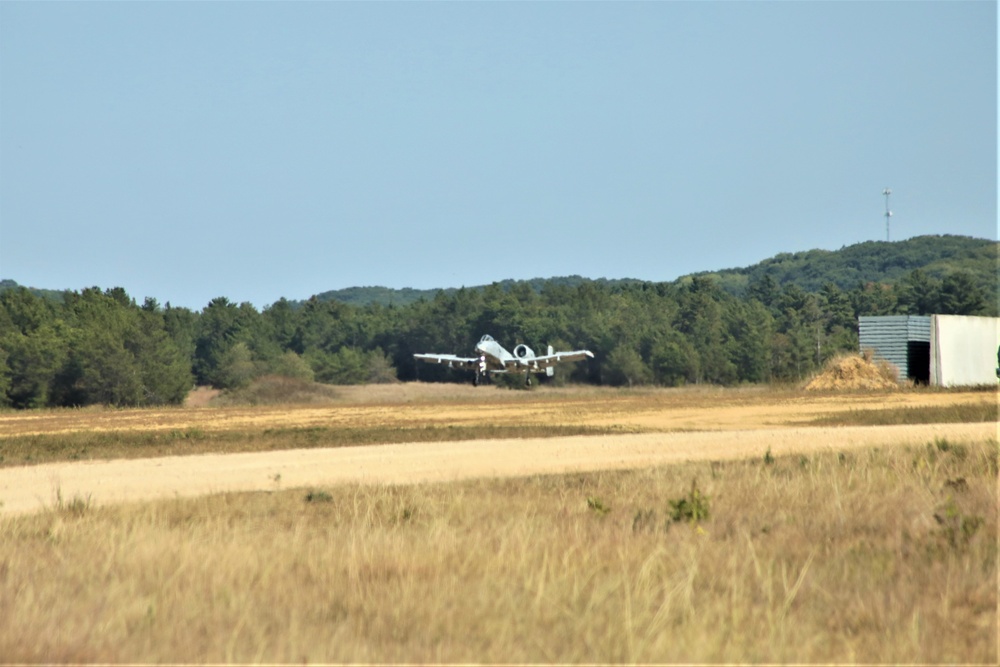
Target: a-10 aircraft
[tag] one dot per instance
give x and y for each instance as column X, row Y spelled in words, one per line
column 493, row 358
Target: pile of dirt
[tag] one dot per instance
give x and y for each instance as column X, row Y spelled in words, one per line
column 855, row 371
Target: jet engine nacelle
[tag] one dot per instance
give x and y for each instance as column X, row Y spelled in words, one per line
column 524, row 352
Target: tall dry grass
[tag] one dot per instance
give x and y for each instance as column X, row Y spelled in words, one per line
column 881, row 556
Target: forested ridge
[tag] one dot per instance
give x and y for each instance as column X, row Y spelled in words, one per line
column 870, row 261
column 387, row 296
column 777, row 321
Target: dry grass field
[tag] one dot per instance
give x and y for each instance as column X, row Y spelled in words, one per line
column 742, row 525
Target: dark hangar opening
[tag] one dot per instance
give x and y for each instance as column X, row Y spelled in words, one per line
column 918, row 361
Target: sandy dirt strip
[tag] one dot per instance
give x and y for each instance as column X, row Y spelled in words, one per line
column 32, row 488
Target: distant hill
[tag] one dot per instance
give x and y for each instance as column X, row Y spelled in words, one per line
column 870, row 262
column 384, row 296
column 862, row 263
column 362, row 296
column 55, row 295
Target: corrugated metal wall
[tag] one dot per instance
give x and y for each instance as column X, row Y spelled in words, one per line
column 890, row 337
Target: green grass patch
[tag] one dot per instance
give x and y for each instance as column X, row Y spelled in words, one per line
column 950, row 414
column 103, row 445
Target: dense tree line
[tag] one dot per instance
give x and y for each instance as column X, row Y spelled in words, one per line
column 101, row 347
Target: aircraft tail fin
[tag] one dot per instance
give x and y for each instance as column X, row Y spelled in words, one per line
column 550, row 371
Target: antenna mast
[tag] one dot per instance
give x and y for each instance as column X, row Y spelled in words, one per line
column 888, row 213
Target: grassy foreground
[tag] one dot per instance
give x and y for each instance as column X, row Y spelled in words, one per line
column 880, row 556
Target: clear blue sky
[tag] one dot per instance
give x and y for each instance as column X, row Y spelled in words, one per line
column 188, row 150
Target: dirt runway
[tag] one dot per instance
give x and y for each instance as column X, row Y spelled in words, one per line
column 32, row 488
column 651, row 427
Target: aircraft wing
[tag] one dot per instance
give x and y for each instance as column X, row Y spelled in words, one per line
column 451, row 360
column 547, row 360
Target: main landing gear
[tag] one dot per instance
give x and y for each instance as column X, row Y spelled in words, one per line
column 482, row 375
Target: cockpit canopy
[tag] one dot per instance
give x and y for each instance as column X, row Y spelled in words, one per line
column 486, row 339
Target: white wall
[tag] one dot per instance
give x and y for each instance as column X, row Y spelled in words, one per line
column 964, row 350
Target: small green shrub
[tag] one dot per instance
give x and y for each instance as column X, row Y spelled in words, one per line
column 693, row 508
column 956, row 527
column 318, row 497
column 597, row 505
column 958, row 451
